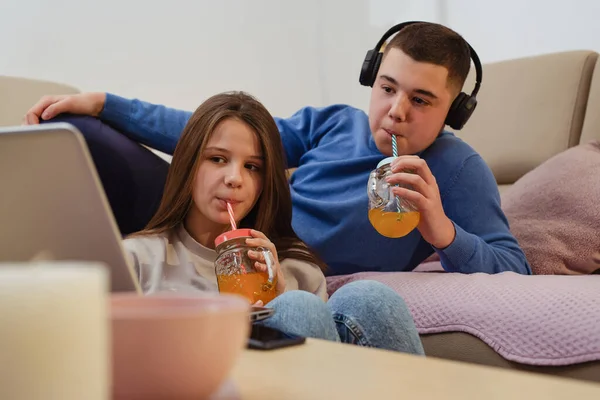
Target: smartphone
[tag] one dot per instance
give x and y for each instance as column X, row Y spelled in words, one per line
column 266, row 338
column 260, row 313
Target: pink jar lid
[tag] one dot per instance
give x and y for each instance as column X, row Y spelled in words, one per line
column 237, row 233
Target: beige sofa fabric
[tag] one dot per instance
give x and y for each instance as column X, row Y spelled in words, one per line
column 17, row 95
column 591, row 125
column 528, row 110
column 463, row 347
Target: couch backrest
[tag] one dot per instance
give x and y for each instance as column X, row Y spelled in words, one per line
column 591, row 125
column 17, row 95
column 529, row 109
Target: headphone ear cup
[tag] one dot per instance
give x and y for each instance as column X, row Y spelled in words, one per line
column 460, row 111
column 378, row 59
column 367, row 67
column 370, row 66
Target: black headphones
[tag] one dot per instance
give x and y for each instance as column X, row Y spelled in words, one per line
column 464, row 104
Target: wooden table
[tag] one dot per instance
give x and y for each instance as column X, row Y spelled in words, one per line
column 325, row 370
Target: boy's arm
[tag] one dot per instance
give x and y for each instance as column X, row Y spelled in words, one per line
column 483, row 241
column 303, row 130
column 154, row 125
column 160, row 127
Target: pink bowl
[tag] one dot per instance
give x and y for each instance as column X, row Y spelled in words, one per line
column 178, row 347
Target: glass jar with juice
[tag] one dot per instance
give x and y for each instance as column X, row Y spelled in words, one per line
column 389, row 214
column 236, row 272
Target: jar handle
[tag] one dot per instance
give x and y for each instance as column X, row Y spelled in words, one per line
column 373, row 190
column 270, row 263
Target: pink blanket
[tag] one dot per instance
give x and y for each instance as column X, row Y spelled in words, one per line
column 537, row 320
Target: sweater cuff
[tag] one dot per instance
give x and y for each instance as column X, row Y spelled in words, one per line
column 116, row 110
column 459, row 252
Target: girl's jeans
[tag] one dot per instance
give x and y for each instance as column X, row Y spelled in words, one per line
column 366, row 313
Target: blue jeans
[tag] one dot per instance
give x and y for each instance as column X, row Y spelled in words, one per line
column 366, row 313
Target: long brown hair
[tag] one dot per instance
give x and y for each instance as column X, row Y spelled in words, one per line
column 272, row 213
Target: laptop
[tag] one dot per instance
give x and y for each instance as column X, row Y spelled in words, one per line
column 52, row 203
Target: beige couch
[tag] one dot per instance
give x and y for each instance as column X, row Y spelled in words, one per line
column 17, row 95
column 532, row 108
column 529, row 110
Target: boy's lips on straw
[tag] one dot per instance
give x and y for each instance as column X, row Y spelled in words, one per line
column 391, row 132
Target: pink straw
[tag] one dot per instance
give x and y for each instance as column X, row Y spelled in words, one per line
column 233, row 227
column 231, row 217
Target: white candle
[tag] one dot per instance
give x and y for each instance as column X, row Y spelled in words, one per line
column 54, row 332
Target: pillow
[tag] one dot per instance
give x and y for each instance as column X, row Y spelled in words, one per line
column 554, row 212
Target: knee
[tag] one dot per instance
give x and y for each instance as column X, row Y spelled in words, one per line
column 379, row 314
column 367, row 296
column 103, row 141
column 300, row 302
column 302, row 313
column 90, row 127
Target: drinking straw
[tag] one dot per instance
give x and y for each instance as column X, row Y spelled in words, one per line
column 395, row 154
column 233, row 227
column 231, row 217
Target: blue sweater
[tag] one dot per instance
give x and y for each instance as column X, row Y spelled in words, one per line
column 334, row 152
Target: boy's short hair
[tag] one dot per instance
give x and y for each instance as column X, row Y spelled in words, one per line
column 435, row 44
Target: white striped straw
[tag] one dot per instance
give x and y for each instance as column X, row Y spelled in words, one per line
column 395, row 154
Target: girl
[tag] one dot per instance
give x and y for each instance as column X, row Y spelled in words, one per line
column 230, row 152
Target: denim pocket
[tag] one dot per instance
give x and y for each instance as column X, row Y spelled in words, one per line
column 349, row 331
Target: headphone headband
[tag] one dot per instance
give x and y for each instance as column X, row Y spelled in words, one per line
column 462, row 107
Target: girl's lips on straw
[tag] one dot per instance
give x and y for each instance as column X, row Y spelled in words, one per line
column 223, row 202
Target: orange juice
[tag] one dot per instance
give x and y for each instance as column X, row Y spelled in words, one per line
column 252, row 285
column 394, row 224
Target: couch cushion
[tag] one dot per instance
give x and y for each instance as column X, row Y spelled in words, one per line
column 535, row 320
column 554, row 212
column 591, row 125
column 528, row 110
column 17, row 95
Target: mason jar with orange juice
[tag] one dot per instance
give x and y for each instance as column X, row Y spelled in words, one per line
column 235, row 269
column 389, row 214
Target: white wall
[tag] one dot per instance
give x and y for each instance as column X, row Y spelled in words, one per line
column 181, row 53
column 288, row 53
column 506, row 29
column 177, row 54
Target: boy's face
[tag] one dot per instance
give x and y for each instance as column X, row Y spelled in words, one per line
column 409, row 99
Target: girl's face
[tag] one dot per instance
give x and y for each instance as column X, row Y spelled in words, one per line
column 230, row 170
